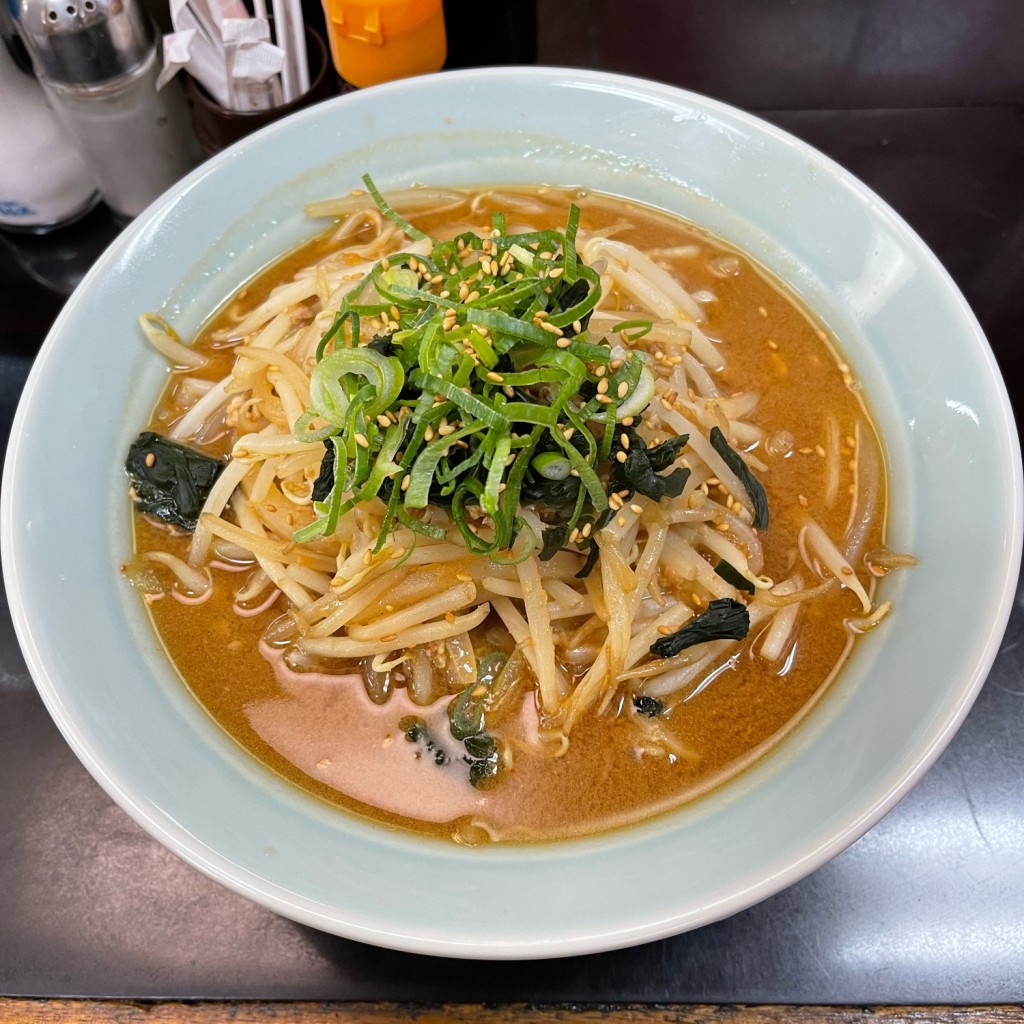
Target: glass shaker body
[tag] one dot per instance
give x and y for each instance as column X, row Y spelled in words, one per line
column 136, row 140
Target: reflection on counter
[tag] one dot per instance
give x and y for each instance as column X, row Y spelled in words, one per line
column 60, row 259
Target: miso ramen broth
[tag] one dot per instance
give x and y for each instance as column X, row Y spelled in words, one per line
column 521, row 698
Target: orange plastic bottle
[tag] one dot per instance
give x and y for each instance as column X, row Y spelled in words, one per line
column 375, row 41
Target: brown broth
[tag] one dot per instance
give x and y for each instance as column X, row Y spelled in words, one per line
column 300, row 728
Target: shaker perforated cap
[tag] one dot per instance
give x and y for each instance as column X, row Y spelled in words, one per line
column 84, row 42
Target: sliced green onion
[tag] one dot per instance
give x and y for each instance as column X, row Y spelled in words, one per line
column 635, row 329
column 585, row 305
column 336, row 328
column 328, row 381
column 492, row 488
column 392, row 215
column 469, row 403
column 422, row 474
column 418, row 526
column 640, row 395
column 505, row 324
column 570, row 259
column 588, row 477
column 524, row 412
column 471, row 371
column 552, row 466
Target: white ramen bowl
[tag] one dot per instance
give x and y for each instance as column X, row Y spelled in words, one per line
column 931, row 380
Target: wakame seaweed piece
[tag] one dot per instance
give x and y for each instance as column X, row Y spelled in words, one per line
column 593, row 553
column 483, row 760
column 603, row 519
column 324, row 483
column 480, row 745
column 661, row 456
column 169, row 480
column 416, row 731
column 649, row 706
column 555, row 494
column 753, row 486
column 724, row 619
column 640, row 475
column 569, row 296
column 554, row 539
column 642, row 468
column 734, row 577
column 466, row 711
column 383, row 344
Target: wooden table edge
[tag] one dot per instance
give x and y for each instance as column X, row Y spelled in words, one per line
column 16, row 1010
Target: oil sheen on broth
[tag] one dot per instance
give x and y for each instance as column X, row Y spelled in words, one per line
column 330, row 739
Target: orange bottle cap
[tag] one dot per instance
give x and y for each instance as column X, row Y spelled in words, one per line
column 376, row 41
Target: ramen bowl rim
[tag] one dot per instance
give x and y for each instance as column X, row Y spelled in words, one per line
column 54, row 675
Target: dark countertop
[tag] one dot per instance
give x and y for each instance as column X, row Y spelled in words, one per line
column 923, row 100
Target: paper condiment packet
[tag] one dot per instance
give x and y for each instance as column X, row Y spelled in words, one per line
column 224, row 49
column 177, row 55
column 257, row 63
column 244, row 31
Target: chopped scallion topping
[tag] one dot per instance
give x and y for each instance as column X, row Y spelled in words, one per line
column 486, row 393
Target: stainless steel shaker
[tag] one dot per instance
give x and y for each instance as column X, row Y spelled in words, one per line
column 98, row 61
